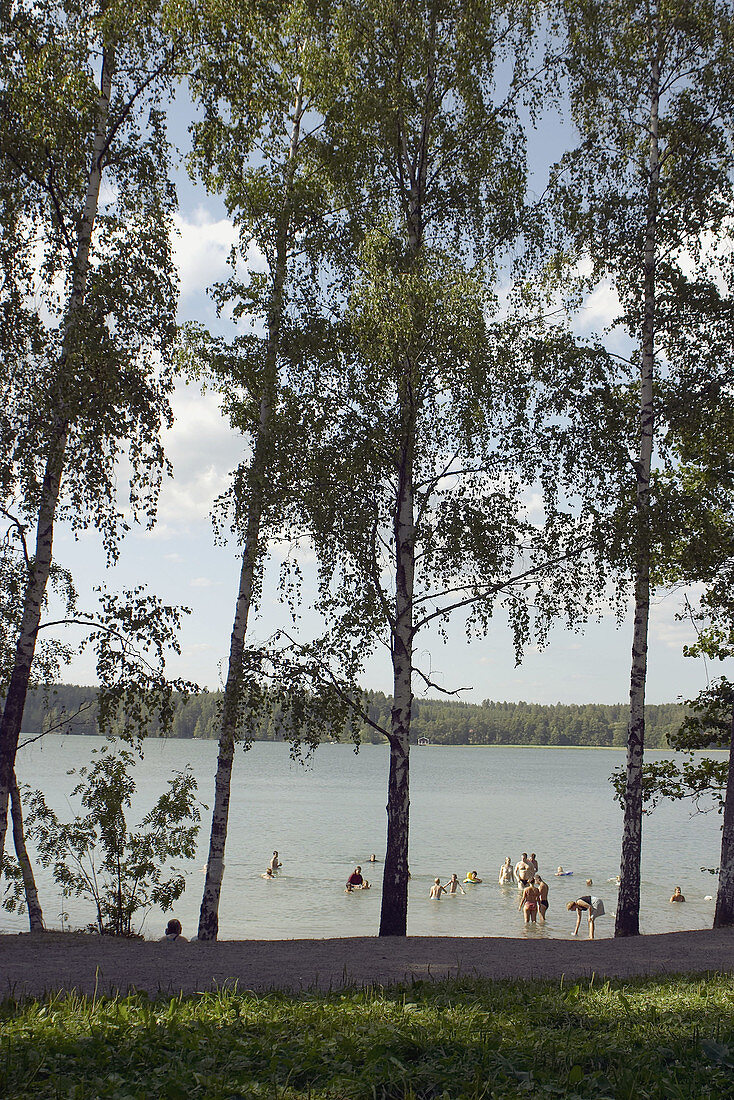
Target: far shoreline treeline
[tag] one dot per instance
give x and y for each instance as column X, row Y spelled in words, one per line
column 71, row 708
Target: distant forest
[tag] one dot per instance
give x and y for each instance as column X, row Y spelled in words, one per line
column 443, row 722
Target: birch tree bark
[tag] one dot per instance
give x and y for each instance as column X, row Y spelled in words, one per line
column 35, row 913
column 394, row 909
column 724, row 912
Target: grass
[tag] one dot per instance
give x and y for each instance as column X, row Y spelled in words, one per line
column 654, row 1037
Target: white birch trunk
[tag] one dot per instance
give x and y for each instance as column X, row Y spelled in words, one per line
column 209, row 912
column 394, row 909
column 628, row 904
column 724, row 912
column 35, row 913
column 57, row 443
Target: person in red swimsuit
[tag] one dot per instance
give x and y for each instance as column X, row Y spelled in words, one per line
column 356, row 882
column 529, row 903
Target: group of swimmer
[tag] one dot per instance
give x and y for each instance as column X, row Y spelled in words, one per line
column 534, row 896
column 533, row 899
column 533, row 891
column 356, row 881
column 451, row 886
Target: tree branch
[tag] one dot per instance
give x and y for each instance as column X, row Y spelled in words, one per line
column 432, row 684
column 58, row 725
column 21, row 534
column 489, row 589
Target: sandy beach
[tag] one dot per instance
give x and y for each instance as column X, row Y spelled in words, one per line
column 31, row 965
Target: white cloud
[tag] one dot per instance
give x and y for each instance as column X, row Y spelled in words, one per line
column 203, row 449
column 202, row 582
column 188, row 500
column 201, row 249
column 301, row 551
column 533, row 506
column 601, row 307
column 665, row 629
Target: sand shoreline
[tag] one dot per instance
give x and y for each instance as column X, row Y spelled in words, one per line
column 32, row 965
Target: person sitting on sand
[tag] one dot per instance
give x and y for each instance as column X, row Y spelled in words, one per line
column 529, row 902
column 677, row 896
column 594, row 907
column 275, row 864
column 453, row 885
column 507, row 875
column 437, row 889
column 173, row 932
column 543, row 897
column 471, row 876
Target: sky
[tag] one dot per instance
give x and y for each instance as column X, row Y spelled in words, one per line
column 179, row 561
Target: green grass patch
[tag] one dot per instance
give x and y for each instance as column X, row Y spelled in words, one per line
column 671, row 1037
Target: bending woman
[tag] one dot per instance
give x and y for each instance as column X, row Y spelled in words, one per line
column 593, row 907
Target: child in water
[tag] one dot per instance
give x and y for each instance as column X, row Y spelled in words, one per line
column 437, row 889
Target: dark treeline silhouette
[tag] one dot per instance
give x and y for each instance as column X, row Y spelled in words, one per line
column 443, row 722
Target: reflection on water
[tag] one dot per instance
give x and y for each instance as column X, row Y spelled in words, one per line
column 470, row 807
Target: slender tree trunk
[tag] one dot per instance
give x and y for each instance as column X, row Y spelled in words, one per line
column 40, row 567
column 628, row 904
column 35, row 913
column 724, row 912
column 209, row 912
column 394, row 911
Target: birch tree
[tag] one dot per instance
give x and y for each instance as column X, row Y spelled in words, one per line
column 418, row 496
column 702, row 779
column 650, row 87
column 88, row 293
column 255, row 145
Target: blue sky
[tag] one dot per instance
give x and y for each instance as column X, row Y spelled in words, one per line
column 180, row 563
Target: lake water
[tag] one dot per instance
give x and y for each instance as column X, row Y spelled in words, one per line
column 470, row 807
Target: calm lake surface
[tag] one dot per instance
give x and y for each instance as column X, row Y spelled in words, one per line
column 470, row 807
